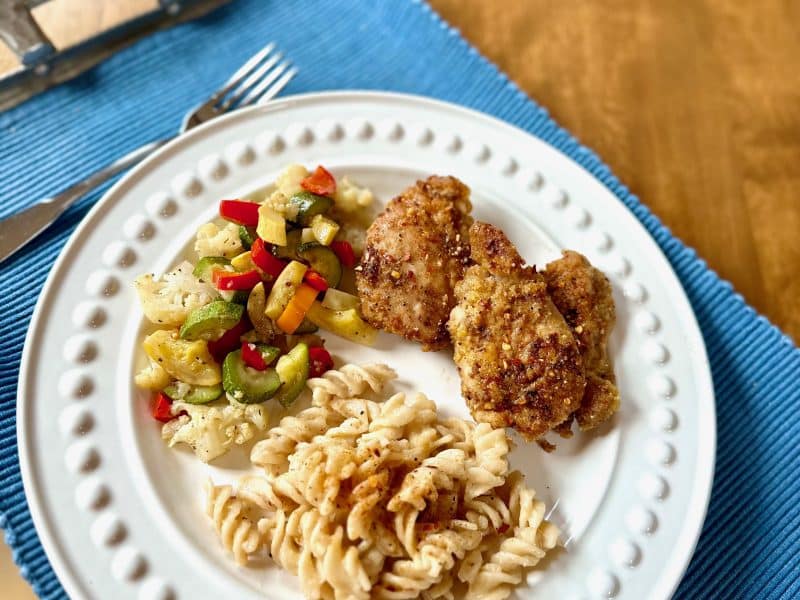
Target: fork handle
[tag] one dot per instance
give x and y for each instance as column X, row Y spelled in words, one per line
column 20, row 228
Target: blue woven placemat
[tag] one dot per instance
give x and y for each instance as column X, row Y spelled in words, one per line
column 750, row 546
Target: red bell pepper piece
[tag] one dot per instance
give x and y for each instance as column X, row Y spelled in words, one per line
column 229, row 341
column 225, row 280
column 320, row 182
column 239, row 211
column 162, row 408
column 315, row 280
column 320, row 361
column 344, row 251
column 264, row 260
column 252, row 357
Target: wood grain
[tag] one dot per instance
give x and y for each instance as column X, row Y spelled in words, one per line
column 12, row 585
column 695, row 105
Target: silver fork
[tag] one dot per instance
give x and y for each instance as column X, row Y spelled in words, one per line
column 258, row 80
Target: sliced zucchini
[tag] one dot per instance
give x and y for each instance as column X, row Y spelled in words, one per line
column 247, row 235
column 345, row 323
column 293, row 370
column 289, row 251
column 308, row 205
column 324, row 229
column 306, row 327
column 271, row 226
column 209, row 322
column 256, row 303
column 284, row 288
column 323, row 260
column 193, row 394
column 247, row 385
column 339, row 300
column 205, row 267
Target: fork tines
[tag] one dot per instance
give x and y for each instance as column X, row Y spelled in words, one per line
column 257, row 78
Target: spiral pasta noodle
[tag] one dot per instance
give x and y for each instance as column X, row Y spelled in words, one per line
column 406, row 579
column 237, row 532
column 489, row 466
column 273, row 452
column 351, row 381
column 367, row 499
column 504, row 569
column 442, row 589
column 280, row 532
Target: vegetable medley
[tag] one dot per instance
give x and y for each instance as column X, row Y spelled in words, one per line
column 236, row 329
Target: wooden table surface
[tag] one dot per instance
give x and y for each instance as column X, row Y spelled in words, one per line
column 694, row 105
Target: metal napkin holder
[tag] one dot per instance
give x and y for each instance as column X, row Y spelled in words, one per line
column 42, row 66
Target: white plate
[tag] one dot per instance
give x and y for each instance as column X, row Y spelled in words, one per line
column 120, row 515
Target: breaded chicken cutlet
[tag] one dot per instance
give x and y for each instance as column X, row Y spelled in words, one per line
column 582, row 294
column 415, row 252
column 519, row 362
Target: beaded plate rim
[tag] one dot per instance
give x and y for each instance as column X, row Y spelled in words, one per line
column 127, row 562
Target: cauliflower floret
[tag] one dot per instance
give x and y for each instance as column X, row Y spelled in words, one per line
column 287, row 185
column 353, row 225
column 213, row 241
column 279, row 202
column 181, row 390
column 152, row 377
column 350, row 198
column 288, row 182
column 354, row 233
column 169, row 299
column 212, row 430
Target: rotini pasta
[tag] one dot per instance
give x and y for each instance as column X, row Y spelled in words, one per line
column 351, row 381
column 441, row 589
column 489, row 466
column 237, row 531
column 272, row 453
column 406, row 579
column 498, row 576
column 368, row 499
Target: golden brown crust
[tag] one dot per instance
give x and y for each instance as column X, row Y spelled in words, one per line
column 519, row 362
column 600, row 402
column 492, row 249
column 582, row 294
column 415, row 252
column 565, row 429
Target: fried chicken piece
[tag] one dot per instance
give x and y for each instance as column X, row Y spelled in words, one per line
column 582, row 295
column 518, row 360
column 415, row 252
